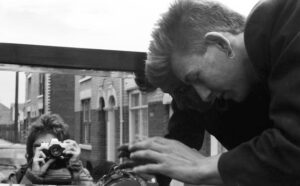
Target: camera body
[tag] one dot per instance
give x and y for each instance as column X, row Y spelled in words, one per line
column 54, row 150
column 126, row 177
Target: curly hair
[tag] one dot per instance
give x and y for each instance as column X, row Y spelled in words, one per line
column 46, row 124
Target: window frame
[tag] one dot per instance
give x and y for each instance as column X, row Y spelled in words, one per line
column 85, row 123
column 143, row 129
column 41, row 84
column 28, row 88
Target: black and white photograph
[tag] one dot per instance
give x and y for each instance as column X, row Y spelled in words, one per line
column 150, row 92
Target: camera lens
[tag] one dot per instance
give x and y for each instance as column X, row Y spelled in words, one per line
column 56, row 151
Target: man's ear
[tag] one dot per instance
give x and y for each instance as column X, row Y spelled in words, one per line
column 220, row 41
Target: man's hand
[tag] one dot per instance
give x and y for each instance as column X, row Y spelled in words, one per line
column 39, row 165
column 73, row 149
column 125, row 161
column 174, row 159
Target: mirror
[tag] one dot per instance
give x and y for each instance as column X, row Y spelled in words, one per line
column 103, row 109
column 77, row 59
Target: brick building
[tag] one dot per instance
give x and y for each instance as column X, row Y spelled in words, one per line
column 110, row 110
column 103, row 111
column 49, row 93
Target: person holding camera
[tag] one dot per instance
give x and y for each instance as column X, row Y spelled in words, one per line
column 52, row 157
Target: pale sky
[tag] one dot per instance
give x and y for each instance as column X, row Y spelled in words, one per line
column 103, row 24
column 7, row 83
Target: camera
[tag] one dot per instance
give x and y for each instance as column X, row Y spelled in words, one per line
column 126, row 177
column 122, row 174
column 54, row 150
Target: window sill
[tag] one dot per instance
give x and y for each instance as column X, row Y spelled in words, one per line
column 40, row 96
column 85, row 146
column 85, row 79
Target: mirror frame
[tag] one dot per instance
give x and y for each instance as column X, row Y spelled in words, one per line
column 24, row 57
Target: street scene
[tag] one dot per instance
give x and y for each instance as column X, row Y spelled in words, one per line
column 149, row 93
column 102, row 113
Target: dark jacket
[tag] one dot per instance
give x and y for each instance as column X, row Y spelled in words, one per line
column 263, row 132
column 272, row 40
column 74, row 174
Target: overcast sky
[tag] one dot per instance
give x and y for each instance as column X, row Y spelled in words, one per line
column 104, row 24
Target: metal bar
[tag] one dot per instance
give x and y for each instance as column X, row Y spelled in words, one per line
column 71, row 58
column 16, row 116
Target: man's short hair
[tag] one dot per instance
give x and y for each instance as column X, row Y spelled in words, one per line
column 181, row 30
column 46, row 124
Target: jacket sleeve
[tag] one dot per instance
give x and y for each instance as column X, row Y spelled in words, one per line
column 31, row 178
column 273, row 158
column 80, row 175
column 185, row 126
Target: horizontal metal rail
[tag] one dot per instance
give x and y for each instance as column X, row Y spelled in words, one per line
column 23, row 56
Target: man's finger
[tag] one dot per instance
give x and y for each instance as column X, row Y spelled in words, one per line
column 147, row 155
column 123, row 154
column 148, row 168
column 140, row 138
column 156, row 144
column 123, row 147
column 127, row 164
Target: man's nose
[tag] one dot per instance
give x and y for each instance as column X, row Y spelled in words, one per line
column 203, row 92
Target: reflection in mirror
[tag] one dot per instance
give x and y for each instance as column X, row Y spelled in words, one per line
column 103, row 110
